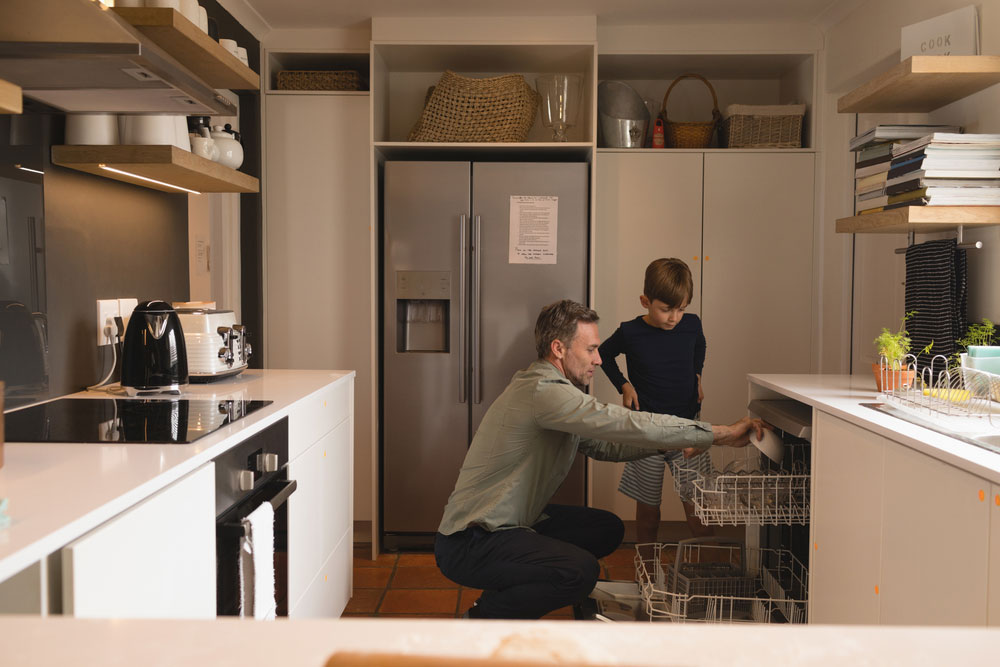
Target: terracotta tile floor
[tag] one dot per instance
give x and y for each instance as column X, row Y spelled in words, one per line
column 410, row 584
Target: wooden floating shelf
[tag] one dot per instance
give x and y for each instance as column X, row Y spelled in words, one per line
column 922, row 84
column 10, row 97
column 162, row 163
column 921, row 219
column 191, row 47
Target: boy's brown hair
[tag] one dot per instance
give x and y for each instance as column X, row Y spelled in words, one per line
column 668, row 279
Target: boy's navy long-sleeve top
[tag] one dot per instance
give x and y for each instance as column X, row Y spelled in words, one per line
column 662, row 364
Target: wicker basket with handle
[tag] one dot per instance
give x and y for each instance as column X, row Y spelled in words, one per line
column 463, row 109
column 697, row 134
column 318, row 80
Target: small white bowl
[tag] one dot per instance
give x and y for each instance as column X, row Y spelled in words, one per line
column 770, row 444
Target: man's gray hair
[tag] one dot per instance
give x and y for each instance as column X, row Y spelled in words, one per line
column 558, row 321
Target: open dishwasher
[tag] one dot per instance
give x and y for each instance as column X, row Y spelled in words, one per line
column 762, row 579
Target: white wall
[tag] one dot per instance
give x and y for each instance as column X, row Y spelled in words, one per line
column 860, row 46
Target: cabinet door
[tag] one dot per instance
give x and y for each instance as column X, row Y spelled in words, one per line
column 320, row 515
column 846, row 523
column 757, row 273
column 648, row 206
column 935, row 541
column 318, row 289
column 155, row 560
column 993, row 611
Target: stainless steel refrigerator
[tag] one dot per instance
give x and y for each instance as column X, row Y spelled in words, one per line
column 472, row 251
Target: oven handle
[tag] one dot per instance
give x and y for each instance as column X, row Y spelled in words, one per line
column 284, row 490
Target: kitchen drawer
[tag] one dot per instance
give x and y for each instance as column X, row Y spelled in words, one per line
column 317, row 414
column 320, row 511
column 329, row 592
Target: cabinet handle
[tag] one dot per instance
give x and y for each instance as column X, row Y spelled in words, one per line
column 477, row 376
column 463, row 334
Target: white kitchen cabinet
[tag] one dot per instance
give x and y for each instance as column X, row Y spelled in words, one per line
column 757, row 272
column 935, row 542
column 321, row 511
column 889, row 520
column 743, row 221
column 846, row 521
column 155, row 560
column 649, row 205
column 318, row 282
column 993, row 590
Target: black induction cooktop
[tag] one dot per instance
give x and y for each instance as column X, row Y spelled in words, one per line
column 125, row 420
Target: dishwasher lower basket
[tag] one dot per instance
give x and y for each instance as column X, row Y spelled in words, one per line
column 722, row 582
column 746, row 488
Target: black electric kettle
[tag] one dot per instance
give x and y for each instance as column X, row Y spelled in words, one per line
column 154, row 358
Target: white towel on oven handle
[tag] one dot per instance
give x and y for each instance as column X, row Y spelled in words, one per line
column 257, row 564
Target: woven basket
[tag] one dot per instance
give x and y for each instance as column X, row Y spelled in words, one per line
column 462, row 109
column 754, row 126
column 690, row 134
column 318, row 80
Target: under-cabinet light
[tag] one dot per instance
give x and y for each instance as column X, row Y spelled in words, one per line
column 151, row 180
column 23, row 168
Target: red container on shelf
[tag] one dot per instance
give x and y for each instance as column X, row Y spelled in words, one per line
column 658, row 141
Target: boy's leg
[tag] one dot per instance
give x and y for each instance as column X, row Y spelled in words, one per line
column 647, row 522
column 642, row 481
column 687, row 472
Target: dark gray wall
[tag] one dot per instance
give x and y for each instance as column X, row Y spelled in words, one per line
column 104, row 239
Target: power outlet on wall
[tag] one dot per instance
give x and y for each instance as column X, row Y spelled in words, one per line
column 107, row 311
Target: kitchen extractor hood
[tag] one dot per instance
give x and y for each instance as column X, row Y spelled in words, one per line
column 77, row 56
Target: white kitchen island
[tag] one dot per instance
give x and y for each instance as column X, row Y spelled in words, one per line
column 905, row 521
column 91, row 494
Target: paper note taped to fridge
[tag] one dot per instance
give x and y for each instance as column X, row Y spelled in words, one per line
column 534, row 222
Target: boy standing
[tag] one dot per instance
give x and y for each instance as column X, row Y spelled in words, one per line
column 664, row 354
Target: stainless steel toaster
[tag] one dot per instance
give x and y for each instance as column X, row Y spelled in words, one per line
column 217, row 346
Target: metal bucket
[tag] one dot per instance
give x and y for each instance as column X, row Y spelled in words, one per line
column 623, row 116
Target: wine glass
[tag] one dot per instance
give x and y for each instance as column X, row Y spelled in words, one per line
column 560, row 101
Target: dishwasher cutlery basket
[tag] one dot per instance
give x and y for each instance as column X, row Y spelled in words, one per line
column 744, row 487
column 720, row 582
column 762, row 126
column 690, row 134
column 464, row 109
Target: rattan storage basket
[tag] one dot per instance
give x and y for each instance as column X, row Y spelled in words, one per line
column 319, row 80
column 690, row 134
column 756, row 126
column 463, row 109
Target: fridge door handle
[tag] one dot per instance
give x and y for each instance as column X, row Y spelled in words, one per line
column 463, row 329
column 477, row 376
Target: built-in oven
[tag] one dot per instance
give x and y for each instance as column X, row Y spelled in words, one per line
column 249, row 474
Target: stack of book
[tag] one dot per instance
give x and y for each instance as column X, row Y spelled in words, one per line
column 875, row 156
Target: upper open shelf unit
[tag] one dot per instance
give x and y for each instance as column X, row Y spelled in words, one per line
column 282, row 61
column 752, row 78
column 81, row 56
column 402, row 73
column 192, row 47
column 922, row 84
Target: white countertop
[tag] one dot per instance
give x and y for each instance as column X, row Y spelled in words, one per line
column 236, row 642
column 842, row 395
column 59, row 491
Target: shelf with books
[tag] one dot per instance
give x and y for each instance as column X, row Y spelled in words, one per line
column 923, row 219
column 922, row 84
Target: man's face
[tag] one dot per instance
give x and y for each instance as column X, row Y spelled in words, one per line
column 581, row 357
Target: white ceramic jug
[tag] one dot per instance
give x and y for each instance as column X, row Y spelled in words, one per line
column 230, row 150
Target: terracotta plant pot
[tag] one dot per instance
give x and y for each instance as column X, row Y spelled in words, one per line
column 893, row 378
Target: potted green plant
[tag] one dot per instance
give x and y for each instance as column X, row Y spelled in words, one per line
column 891, row 370
column 977, row 347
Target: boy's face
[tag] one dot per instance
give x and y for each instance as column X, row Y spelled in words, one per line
column 660, row 315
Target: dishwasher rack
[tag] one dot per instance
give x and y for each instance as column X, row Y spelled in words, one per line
column 720, row 583
column 745, row 488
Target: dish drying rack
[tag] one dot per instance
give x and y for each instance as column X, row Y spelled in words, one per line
column 745, row 488
column 960, row 397
column 722, row 582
